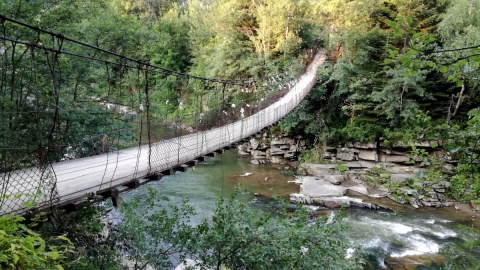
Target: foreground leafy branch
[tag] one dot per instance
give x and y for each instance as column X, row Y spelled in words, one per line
column 23, row 248
column 236, row 236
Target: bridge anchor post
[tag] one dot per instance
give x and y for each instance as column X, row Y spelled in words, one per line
column 113, row 194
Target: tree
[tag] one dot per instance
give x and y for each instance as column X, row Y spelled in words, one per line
column 459, row 31
column 235, row 236
column 464, row 144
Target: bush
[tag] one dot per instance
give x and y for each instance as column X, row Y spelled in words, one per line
column 23, row 248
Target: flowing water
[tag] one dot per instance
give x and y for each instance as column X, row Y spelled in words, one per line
column 378, row 234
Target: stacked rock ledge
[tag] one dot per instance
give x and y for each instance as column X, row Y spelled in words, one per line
column 276, row 149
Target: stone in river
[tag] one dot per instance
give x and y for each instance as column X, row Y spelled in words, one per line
column 413, row 262
column 314, row 187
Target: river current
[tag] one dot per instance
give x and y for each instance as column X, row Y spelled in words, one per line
column 377, row 234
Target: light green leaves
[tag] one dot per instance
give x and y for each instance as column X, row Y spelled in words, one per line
column 443, row 69
column 23, row 248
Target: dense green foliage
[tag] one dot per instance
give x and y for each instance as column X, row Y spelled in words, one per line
column 23, row 248
column 89, row 233
column 403, row 71
column 235, row 236
column 56, row 99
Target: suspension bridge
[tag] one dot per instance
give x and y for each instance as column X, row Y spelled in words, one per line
column 67, row 135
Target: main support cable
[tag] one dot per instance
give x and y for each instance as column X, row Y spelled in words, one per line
column 137, row 61
column 242, row 83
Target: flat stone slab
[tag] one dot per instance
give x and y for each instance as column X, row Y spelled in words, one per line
column 313, row 168
column 335, row 179
column 401, row 177
column 335, row 202
column 370, row 155
column 282, row 141
column 359, row 189
column 316, row 167
column 393, row 158
column 314, row 187
column 358, row 165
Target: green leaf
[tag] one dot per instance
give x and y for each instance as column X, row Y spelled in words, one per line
column 15, row 258
column 392, row 24
column 61, row 237
column 54, row 255
column 451, row 78
column 443, row 69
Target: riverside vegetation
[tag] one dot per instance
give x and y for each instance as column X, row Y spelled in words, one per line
column 400, row 71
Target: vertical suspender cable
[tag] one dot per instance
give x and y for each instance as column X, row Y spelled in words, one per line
column 149, row 128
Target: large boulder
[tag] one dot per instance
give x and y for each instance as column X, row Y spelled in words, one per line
column 314, row 187
column 365, row 145
column 277, row 160
column 359, row 189
column 282, row 141
column 317, row 169
column 370, row 155
column 347, row 154
column 335, row 179
column 242, row 147
column 276, row 151
column 393, row 158
column 254, row 143
column 289, row 155
column 413, row 262
column 258, row 154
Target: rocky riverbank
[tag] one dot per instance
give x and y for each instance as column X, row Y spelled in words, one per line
column 400, row 184
column 279, row 149
column 369, row 176
column 374, row 170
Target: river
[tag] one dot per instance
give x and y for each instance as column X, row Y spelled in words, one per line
column 377, row 234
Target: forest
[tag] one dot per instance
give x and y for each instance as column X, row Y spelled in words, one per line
column 397, row 71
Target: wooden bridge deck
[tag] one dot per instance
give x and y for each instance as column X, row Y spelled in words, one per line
column 101, row 174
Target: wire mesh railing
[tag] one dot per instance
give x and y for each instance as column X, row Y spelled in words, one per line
column 76, row 119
